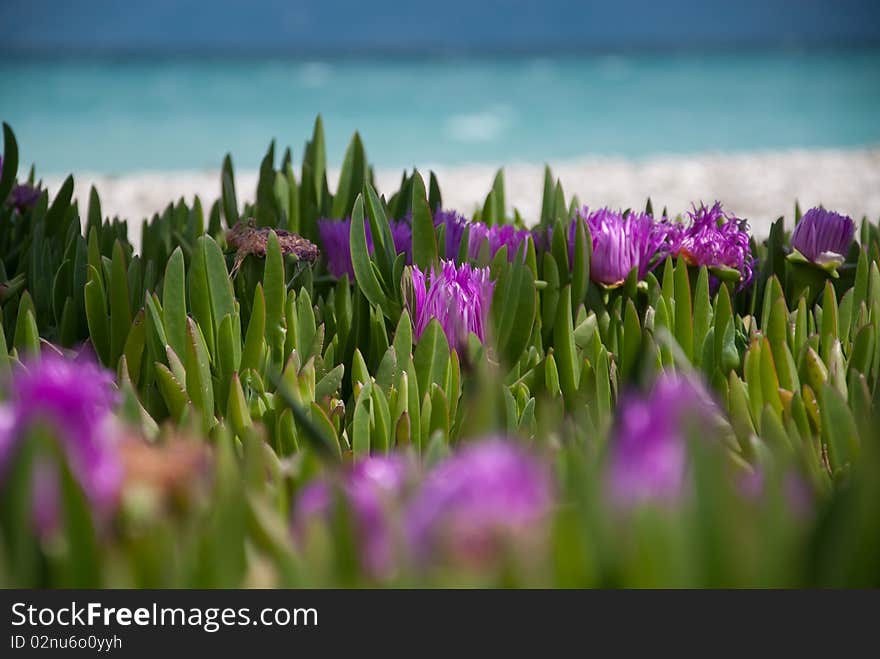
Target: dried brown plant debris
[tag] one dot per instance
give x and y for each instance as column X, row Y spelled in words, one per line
column 169, row 470
column 247, row 238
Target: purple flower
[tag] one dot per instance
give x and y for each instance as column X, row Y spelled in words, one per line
column 336, row 246
column 74, row 400
column 649, row 449
column 823, row 237
column 458, row 297
column 23, row 195
column 371, row 490
column 335, row 240
column 488, row 497
column 621, row 243
column 401, row 235
column 716, row 240
column 542, row 236
column 794, row 488
column 497, row 236
column 455, row 226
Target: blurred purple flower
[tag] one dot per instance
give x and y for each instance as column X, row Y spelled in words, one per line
column 823, row 237
column 488, row 497
column 497, row 236
column 45, row 497
column 336, row 246
column 336, row 243
column 542, row 236
column 621, row 243
column 458, row 297
column 372, row 490
column 23, row 195
column 74, row 400
column 455, row 226
column 649, row 449
column 795, row 490
column 714, row 239
column 401, row 235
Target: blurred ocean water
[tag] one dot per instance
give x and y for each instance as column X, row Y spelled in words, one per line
column 132, row 115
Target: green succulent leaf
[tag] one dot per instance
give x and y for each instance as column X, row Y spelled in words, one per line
column 431, row 357
column 174, row 301
column 210, row 289
column 97, row 316
column 10, row 163
column 684, row 328
column 563, row 340
column 424, row 237
column 364, row 274
column 198, row 373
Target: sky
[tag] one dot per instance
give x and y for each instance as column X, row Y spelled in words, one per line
column 327, row 27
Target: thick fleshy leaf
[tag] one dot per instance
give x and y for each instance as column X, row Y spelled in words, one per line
column 431, row 357
column 210, row 289
column 174, row 301
column 27, row 337
column 135, row 345
column 120, row 305
column 684, row 328
column 252, row 353
column 403, row 338
column 830, row 326
column 863, row 349
column 839, row 429
column 361, row 424
column 702, row 313
column 198, row 373
column 632, row 340
column 97, row 317
column 383, row 241
column 172, row 390
column 10, row 163
column 351, row 178
column 514, row 305
column 563, row 341
column 227, row 187
column 424, row 237
column 237, row 409
column 580, row 265
column 330, row 383
column 360, row 257
column 5, row 367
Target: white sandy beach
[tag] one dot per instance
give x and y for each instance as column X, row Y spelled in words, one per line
column 759, row 186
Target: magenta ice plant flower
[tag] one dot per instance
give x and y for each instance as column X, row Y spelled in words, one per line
column 459, row 297
column 715, row 239
column 336, row 243
column 23, row 195
column 489, row 497
column 794, row 489
column 496, row 237
column 621, row 243
column 336, row 246
column 372, row 491
column 454, row 228
column 823, row 237
column 648, row 452
column 73, row 400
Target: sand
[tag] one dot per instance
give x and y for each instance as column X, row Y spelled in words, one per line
column 759, row 186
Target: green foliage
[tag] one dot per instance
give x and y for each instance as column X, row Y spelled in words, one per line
column 281, row 373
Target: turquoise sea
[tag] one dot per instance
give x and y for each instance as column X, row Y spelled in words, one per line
column 126, row 115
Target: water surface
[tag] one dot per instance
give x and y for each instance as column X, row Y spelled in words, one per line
column 130, row 115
